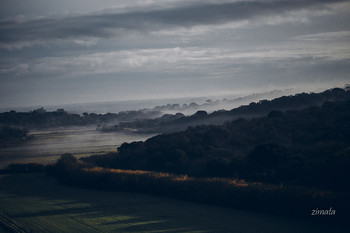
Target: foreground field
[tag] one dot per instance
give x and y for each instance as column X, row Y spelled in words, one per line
column 36, row 203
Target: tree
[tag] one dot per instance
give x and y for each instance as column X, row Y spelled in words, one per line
column 267, row 156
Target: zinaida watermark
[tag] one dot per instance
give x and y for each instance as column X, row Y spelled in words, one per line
column 317, row 211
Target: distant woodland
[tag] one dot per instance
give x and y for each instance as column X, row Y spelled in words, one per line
column 40, row 118
column 155, row 121
column 178, row 122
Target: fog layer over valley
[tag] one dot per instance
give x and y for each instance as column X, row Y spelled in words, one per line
column 46, row 146
column 166, row 105
column 41, row 135
column 178, row 121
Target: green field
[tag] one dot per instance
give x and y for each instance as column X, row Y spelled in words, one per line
column 36, row 203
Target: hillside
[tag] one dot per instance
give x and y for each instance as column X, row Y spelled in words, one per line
column 170, row 117
column 306, row 147
column 178, row 122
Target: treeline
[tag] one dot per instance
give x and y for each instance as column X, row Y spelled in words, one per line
column 308, row 147
column 144, row 125
column 154, row 121
column 23, row 168
column 282, row 199
column 229, row 192
column 8, row 133
column 40, row 118
column 178, row 122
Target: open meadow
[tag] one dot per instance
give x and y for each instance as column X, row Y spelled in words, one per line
column 37, row 203
column 46, row 146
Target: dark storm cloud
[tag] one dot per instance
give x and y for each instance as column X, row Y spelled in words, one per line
column 104, row 25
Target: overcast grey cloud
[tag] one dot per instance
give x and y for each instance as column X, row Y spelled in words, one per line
column 108, row 24
column 81, row 51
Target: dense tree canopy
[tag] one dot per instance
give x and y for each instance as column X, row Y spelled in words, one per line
column 310, row 146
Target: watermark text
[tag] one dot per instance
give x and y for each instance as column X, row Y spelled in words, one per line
column 317, row 211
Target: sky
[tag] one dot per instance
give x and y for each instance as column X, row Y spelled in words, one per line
column 78, row 51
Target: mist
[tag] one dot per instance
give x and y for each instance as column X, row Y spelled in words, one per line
column 47, row 145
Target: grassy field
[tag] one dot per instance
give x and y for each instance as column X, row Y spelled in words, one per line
column 46, row 146
column 36, row 203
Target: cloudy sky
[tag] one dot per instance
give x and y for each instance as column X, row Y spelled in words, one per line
column 56, row 52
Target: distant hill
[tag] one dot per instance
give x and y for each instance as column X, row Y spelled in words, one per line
column 40, row 118
column 178, row 122
column 153, row 120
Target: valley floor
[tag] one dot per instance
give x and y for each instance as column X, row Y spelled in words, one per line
column 36, row 203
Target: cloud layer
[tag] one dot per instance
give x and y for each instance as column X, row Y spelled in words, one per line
column 80, row 51
column 17, row 33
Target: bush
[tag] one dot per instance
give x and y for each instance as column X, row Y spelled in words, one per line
column 8, row 133
column 278, row 199
column 24, row 168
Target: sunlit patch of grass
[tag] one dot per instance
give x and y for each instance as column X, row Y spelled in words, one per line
column 176, row 178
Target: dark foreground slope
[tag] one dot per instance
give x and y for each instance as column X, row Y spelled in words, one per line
column 42, row 205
